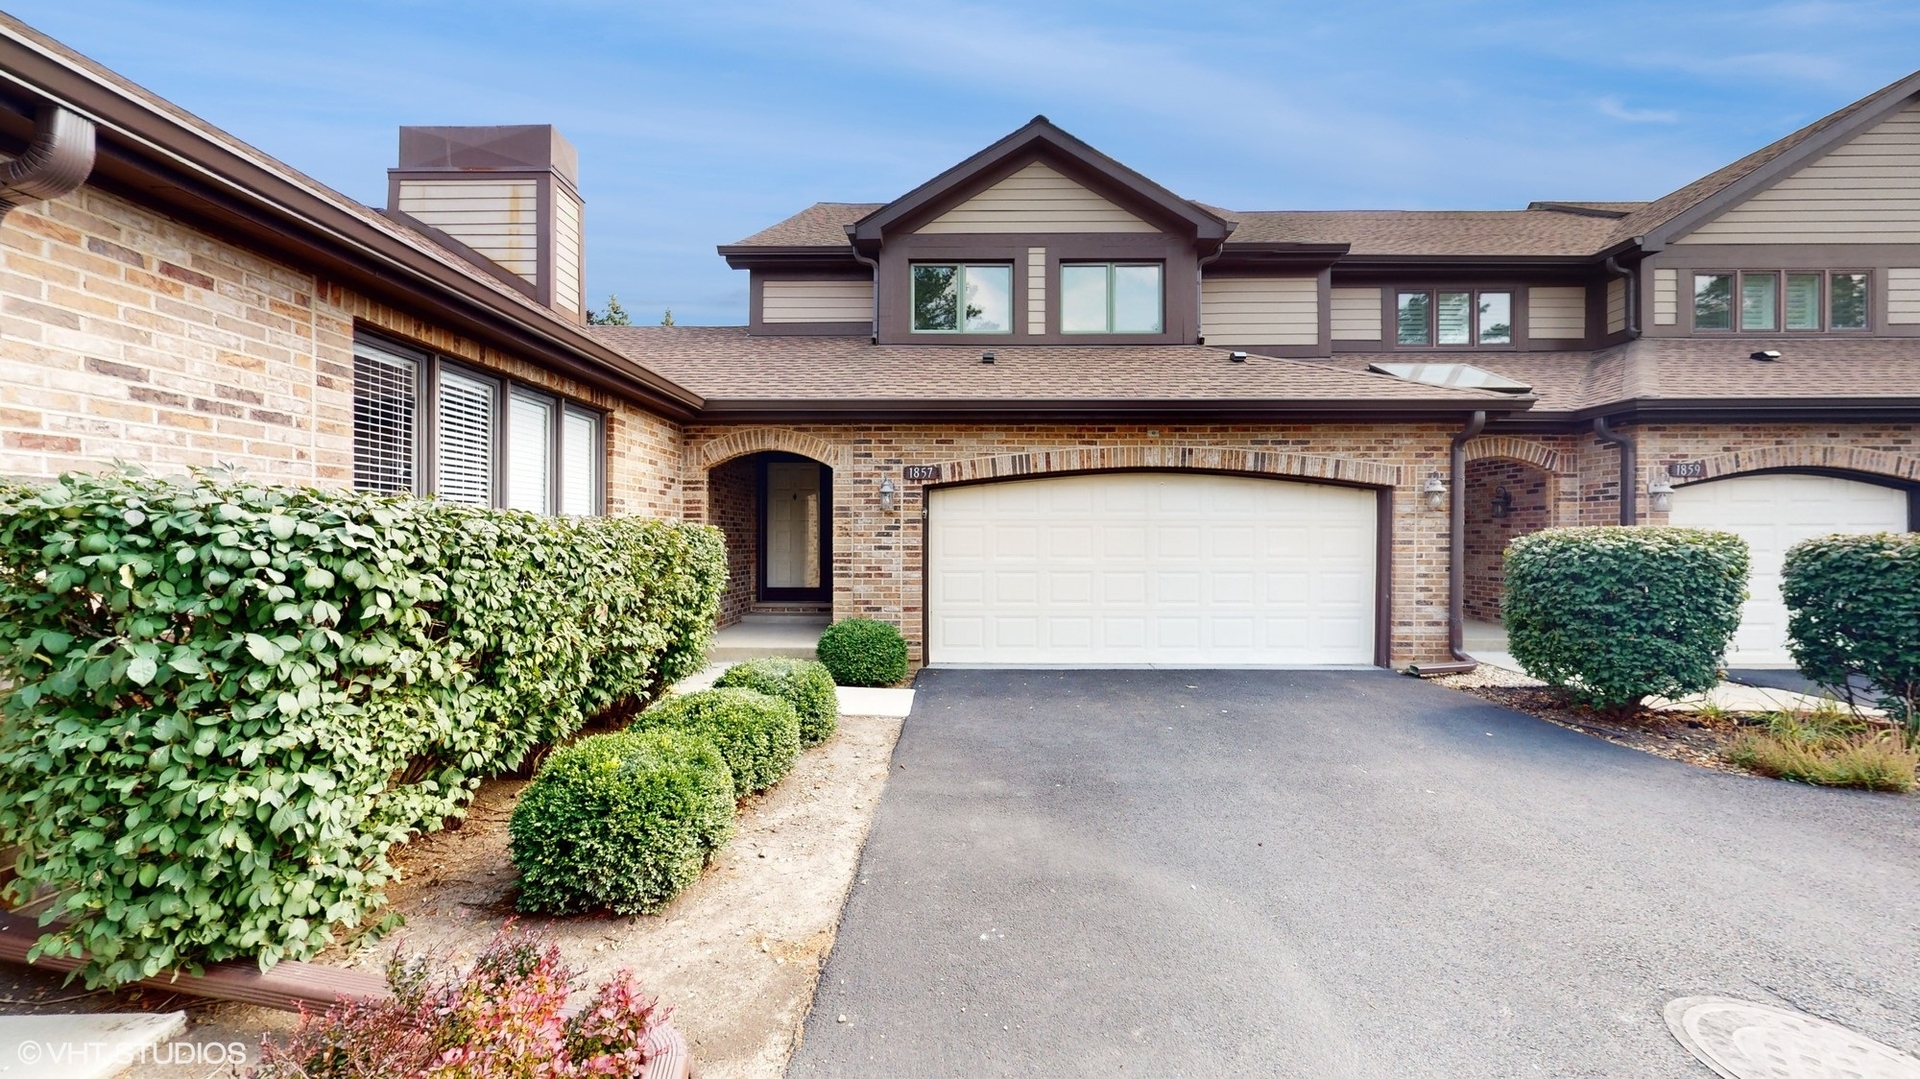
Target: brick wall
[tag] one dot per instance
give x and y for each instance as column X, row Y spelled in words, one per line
column 877, row 554
column 127, row 335
column 1487, row 536
column 733, row 492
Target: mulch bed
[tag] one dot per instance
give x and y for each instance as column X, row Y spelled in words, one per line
column 1691, row 738
column 1695, row 739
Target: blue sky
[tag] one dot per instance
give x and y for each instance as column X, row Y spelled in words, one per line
column 700, row 123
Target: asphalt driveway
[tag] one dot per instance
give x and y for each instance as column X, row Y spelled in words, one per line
column 1249, row 873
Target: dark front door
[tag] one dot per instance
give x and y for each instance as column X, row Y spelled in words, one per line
column 795, row 533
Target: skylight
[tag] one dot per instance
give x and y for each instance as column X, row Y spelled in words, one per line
column 1460, row 376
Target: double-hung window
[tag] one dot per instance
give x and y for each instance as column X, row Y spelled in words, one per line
column 1424, row 318
column 423, row 425
column 1111, row 297
column 1768, row 301
column 953, row 297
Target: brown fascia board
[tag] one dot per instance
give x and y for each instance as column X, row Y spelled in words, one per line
column 1292, row 255
column 1720, row 410
column 1039, row 132
column 154, row 158
column 1475, row 262
column 1886, row 102
column 757, row 257
column 742, row 410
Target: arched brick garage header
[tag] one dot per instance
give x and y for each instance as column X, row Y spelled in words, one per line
column 1840, row 458
column 1197, row 458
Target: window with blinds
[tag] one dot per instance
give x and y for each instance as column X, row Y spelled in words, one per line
column 581, row 450
column 464, row 446
column 426, row 426
column 529, row 452
column 386, row 389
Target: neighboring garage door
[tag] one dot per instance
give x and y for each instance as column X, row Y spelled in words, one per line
column 1136, row 568
column 1772, row 513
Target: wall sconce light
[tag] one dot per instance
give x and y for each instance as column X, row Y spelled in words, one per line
column 1659, row 493
column 1502, row 502
column 886, row 494
column 1435, row 491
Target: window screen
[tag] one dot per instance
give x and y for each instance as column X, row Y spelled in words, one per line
column 580, row 450
column 386, row 388
column 466, row 417
column 530, row 453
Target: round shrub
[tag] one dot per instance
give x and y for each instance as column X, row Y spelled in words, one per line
column 1616, row 615
column 758, row 735
column 863, row 652
column 621, row 822
column 1854, row 609
column 802, row 683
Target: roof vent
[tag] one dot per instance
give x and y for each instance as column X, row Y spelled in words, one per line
column 1767, row 355
column 986, row 357
column 1237, row 357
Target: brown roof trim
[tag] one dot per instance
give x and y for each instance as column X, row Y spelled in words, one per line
column 159, row 159
column 750, row 257
column 1862, row 115
column 1038, row 133
column 741, row 410
column 1720, row 410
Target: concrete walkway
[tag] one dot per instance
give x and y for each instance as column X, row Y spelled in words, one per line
column 1332, row 875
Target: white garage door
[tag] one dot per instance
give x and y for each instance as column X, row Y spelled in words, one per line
column 1139, row 568
column 1772, row 513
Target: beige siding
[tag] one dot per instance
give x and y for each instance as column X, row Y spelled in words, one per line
column 566, row 253
column 1557, row 314
column 816, row 301
column 1865, row 191
column 1036, row 290
column 1037, row 199
column 1260, row 310
column 498, row 218
column 1903, row 296
column 1355, row 314
column 1666, row 297
column 1617, row 305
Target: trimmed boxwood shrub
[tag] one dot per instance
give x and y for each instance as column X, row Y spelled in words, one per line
column 1854, row 609
column 1616, row 615
column 230, row 699
column 863, row 652
column 758, row 735
column 802, row 683
column 621, row 822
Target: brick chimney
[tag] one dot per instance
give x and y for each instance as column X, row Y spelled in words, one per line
column 506, row 198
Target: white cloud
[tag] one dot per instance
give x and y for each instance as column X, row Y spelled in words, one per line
column 1612, row 106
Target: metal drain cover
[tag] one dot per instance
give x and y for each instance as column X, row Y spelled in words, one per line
column 1743, row 1040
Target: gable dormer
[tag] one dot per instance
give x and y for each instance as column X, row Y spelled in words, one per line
column 1038, row 239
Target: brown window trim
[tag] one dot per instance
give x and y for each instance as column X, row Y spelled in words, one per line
column 1780, row 275
column 426, row 433
column 1058, row 306
column 960, row 316
column 1391, row 330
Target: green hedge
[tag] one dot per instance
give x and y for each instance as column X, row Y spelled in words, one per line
column 863, row 652
column 231, row 699
column 758, row 735
column 1854, row 609
column 621, row 822
column 802, row 683
column 1616, row 615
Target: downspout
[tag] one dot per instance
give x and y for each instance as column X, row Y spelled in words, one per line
column 872, row 264
column 1456, row 556
column 1633, row 294
column 1200, row 291
column 55, row 163
column 1629, row 469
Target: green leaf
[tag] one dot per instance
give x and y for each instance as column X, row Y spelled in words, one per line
column 142, row 670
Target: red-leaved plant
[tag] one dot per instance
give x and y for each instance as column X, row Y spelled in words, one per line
column 504, row 1018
